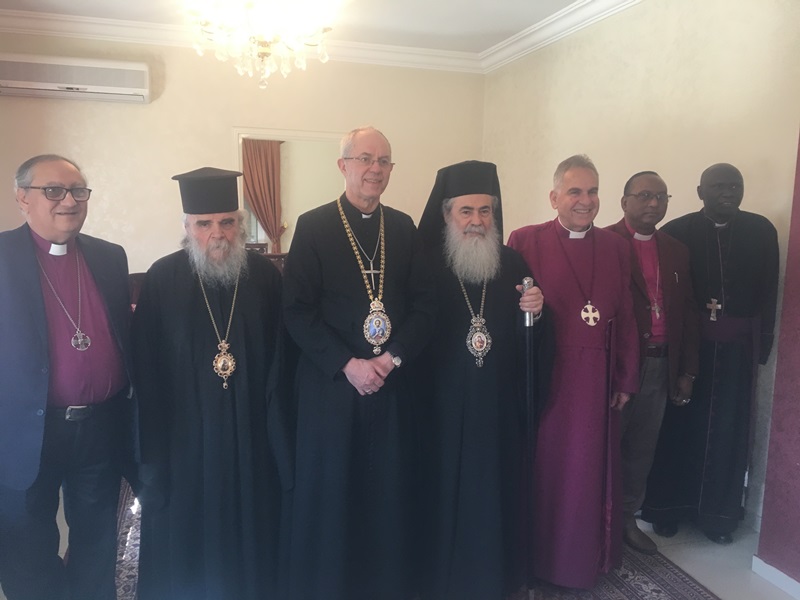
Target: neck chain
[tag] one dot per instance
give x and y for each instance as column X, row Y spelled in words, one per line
column 655, row 307
column 715, row 305
column 654, row 304
column 479, row 342
column 224, row 364
column 377, row 326
column 589, row 313
column 371, row 271
column 80, row 341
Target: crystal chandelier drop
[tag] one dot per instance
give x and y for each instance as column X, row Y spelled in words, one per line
column 261, row 37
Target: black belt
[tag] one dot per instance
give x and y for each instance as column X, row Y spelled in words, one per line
column 656, row 351
column 76, row 413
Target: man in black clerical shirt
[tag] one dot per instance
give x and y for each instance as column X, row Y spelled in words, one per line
column 702, row 457
column 214, row 439
column 358, row 301
column 65, row 390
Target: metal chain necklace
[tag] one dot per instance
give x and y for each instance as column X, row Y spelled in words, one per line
column 80, row 341
column 479, row 342
column 224, row 364
column 589, row 313
column 654, row 307
column 715, row 305
column 377, row 326
column 371, row 271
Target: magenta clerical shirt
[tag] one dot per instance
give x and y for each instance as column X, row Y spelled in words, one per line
column 77, row 377
column 646, row 249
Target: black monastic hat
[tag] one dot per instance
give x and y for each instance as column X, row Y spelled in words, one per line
column 208, row 190
column 460, row 179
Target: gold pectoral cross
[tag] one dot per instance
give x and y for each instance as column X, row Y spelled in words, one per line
column 714, row 306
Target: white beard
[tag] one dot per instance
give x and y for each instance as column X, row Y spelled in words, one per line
column 216, row 273
column 473, row 259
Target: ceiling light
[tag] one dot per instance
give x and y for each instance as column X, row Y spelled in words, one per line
column 261, row 37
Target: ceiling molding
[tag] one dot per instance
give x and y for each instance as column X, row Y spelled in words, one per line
column 106, row 30
column 401, row 56
column 565, row 22
column 576, row 16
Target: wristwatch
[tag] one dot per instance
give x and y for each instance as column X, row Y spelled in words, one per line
column 396, row 360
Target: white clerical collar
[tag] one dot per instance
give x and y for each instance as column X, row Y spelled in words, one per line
column 58, row 249
column 716, row 225
column 575, row 235
column 366, row 216
column 642, row 238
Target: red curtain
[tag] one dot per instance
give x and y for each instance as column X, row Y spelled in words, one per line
column 261, row 161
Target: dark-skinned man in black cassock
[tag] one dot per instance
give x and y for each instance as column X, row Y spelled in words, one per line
column 702, row 457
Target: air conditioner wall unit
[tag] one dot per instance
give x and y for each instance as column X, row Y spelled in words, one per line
column 74, row 78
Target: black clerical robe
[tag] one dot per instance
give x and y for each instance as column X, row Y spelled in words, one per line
column 215, row 461
column 703, row 449
column 473, row 423
column 352, row 528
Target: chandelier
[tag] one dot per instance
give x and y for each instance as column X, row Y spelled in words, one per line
column 261, row 37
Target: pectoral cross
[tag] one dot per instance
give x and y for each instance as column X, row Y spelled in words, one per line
column 372, row 271
column 714, row 306
column 590, row 314
column 657, row 310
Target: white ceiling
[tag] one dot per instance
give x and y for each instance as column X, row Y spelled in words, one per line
column 461, row 35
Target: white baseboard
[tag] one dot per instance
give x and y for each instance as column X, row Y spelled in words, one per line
column 777, row 578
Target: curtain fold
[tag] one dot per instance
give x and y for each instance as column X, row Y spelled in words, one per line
column 261, row 160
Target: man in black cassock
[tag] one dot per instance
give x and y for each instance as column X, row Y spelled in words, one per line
column 358, row 301
column 215, row 463
column 472, row 393
column 703, row 451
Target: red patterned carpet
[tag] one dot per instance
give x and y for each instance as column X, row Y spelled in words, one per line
column 640, row 577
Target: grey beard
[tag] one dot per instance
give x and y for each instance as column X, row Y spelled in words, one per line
column 216, row 274
column 472, row 259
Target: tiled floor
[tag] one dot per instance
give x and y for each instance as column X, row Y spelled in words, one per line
column 725, row 570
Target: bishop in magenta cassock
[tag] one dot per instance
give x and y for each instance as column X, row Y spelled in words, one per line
column 585, row 274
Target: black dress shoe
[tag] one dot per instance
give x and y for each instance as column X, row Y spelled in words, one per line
column 719, row 538
column 665, row 529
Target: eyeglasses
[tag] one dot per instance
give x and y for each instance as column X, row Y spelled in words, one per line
column 57, row 194
column 368, row 161
column 647, row 196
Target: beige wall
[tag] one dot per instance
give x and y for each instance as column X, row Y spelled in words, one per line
column 309, row 175
column 129, row 152
column 667, row 85
column 670, row 85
